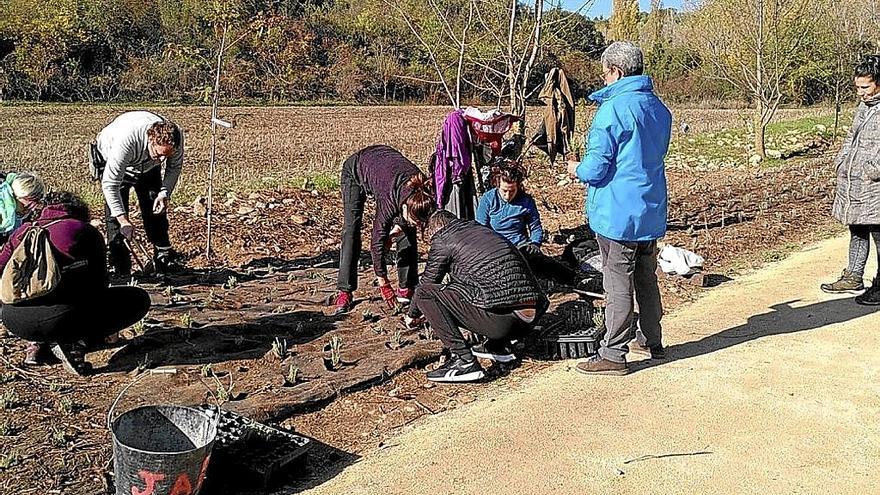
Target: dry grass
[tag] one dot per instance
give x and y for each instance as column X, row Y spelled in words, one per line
column 269, row 147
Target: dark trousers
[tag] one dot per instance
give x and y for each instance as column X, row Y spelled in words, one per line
column 446, row 310
column 353, row 199
column 629, row 267
column 103, row 314
column 546, row 267
column 146, row 189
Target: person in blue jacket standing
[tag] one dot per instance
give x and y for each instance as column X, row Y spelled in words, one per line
column 627, row 201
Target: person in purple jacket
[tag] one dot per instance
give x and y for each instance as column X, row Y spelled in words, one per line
column 82, row 311
column 402, row 198
column 450, row 168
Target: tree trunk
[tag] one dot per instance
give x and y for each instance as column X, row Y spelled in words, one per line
column 837, row 95
column 759, row 85
column 760, row 129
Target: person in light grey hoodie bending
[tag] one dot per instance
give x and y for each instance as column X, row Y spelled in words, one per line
column 129, row 153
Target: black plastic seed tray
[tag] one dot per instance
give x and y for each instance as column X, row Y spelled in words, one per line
column 251, row 453
column 569, row 333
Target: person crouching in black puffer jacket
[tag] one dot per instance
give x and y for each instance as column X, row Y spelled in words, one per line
column 491, row 292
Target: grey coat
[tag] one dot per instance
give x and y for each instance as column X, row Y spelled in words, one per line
column 857, row 200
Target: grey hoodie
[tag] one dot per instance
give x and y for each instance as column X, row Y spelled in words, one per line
column 123, row 144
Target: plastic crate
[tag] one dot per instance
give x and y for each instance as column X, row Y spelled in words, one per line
column 248, row 453
column 569, row 333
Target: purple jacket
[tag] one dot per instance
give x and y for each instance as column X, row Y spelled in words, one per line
column 73, row 240
column 453, row 155
column 384, row 173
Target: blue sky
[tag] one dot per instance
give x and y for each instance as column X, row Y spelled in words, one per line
column 603, row 7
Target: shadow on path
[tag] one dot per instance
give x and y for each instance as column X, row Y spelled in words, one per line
column 783, row 318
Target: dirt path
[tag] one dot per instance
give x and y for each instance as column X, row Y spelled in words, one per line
column 771, row 387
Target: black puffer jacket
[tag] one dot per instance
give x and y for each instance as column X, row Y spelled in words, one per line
column 483, row 266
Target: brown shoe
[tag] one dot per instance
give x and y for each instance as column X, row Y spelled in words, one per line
column 595, row 365
column 657, row 352
column 847, row 283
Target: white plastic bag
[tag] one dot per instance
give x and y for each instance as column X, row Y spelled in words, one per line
column 678, row 261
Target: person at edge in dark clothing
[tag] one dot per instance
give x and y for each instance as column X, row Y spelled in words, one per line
column 511, row 212
column 401, row 194
column 82, row 310
column 491, row 292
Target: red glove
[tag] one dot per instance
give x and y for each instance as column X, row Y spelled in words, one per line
column 388, row 295
column 412, row 323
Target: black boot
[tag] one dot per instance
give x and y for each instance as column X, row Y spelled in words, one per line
column 72, row 357
column 871, row 297
column 118, row 261
column 167, row 260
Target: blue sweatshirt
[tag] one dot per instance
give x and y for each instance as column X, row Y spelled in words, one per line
column 518, row 221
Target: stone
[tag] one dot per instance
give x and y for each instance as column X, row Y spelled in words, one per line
column 200, row 207
column 246, row 210
column 300, row 220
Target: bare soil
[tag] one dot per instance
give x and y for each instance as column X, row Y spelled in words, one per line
column 283, row 246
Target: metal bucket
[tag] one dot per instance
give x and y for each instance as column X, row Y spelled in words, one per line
column 161, row 449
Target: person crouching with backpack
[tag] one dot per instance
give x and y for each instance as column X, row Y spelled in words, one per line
column 491, row 292
column 76, row 310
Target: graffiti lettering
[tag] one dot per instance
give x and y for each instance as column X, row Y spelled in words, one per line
column 150, row 480
column 182, row 486
column 202, row 473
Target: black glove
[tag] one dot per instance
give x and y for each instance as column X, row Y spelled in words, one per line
column 531, row 249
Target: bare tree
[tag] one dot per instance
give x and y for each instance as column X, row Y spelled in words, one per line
column 852, row 28
column 225, row 23
column 753, row 45
column 508, row 68
column 500, row 40
column 443, row 33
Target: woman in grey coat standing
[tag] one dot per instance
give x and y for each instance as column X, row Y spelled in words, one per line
column 857, row 200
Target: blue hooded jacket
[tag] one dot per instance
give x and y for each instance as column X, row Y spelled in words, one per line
column 623, row 165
